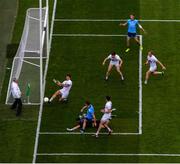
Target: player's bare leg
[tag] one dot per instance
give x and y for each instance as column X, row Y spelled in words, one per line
column 137, row 40
column 128, row 44
column 74, row 128
column 158, row 73
column 108, row 71
column 54, row 96
column 148, row 73
column 84, row 126
column 99, row 128
column 118, row 70
column 109, row 129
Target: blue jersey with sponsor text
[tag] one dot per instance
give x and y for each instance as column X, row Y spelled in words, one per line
column 132, row 24
column 90, row 112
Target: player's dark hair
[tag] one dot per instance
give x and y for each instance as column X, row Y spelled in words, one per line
column 152, row 52
column 108, row 98
column 14, row 79
column 113, row 53
column 69, row 75
column 87, row 102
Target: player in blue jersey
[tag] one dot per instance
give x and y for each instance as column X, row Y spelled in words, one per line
column 132, row 24
column 88, row 119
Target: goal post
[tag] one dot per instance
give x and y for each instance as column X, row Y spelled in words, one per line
column 31, row 55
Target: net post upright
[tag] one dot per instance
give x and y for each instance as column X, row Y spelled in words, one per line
column 41, row 59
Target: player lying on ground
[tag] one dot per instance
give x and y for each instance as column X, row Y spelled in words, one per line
column 64, row 92
column 88, row 119
column 80, row 121
column 152, row 60
column 106, row 116
column 116, row 61
column 132, row 28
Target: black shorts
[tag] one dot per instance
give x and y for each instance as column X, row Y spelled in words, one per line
column 89, row 122
column 131, row 35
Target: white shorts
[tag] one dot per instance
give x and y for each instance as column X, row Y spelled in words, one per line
column 116, row 63
column 64, row 94
column 152, row 69
column 106, row 117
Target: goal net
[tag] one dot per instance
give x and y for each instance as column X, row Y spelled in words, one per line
column 26, row 63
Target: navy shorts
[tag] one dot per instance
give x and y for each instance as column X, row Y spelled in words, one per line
column 131, row 35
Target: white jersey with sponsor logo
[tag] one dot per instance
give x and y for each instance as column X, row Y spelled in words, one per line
column 116, row 58
column 16, row 93
column 67, row 84
column 152, row 61
column 108, row 106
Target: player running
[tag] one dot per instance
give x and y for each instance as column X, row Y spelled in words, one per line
column 116, row 61
column 152, row 60
column 64, row 92
column 132, row 28
column 106, row 116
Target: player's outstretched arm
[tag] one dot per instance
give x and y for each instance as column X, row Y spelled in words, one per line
column 123, row 24
column 94, row 120
column 142, row 28
column 84, row 107
column 162, row 66
column 57, row 82
column 104, row 61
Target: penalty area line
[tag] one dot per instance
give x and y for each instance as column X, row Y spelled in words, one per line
column 106, row 154
column 86, row 133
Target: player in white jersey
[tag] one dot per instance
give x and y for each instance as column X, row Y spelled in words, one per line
column 106, row 116
column 152, row 61
column 116, row 61
column 64, row 92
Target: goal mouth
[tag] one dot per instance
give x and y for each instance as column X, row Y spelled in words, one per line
column 26, row 63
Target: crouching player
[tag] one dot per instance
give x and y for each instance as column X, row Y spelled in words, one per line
column 116, row 61
column 89, row 120
column 64, row 92
column 106, row 116
column 152, row 61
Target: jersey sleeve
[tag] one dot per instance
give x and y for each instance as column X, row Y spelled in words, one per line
column 155, row 59
column 109, row 57
column 118, row 57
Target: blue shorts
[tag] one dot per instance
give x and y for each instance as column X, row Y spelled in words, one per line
column 131, row 35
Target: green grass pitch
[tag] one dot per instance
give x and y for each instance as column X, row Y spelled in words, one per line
column 82, row 57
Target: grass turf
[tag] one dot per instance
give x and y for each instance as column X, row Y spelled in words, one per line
column 160, row 97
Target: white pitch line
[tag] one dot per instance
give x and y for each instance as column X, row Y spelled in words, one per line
column 86, row 133
column 106, row 154
column 140, row 86
column 88, row 35
column 115, row 20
